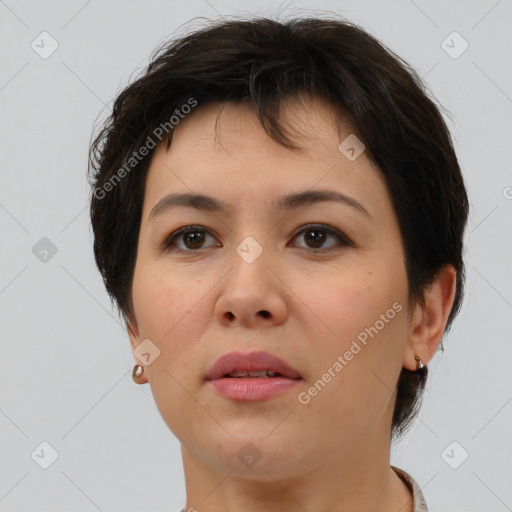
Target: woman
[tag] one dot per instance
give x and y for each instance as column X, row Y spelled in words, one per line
column 278, row 213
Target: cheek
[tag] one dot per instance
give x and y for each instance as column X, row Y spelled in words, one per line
column 349, row 303
column 165, row 304
column 366, row 316
column 170, row 313
column 173, row 310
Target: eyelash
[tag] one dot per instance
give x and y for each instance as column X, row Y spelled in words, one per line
column 168, row 244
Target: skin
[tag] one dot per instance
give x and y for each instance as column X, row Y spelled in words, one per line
column 200, row 302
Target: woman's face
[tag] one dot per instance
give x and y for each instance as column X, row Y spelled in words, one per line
column 254, row 277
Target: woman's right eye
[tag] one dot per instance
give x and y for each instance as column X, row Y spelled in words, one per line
column 191, row 238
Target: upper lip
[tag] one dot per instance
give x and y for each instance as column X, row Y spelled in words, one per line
column 252, row 361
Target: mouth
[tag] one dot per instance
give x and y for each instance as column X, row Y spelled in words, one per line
column 251, row 376
column 261, row 374
column 256, row 365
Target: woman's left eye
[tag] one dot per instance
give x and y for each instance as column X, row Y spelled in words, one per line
column 318, row 234
column 193, row 238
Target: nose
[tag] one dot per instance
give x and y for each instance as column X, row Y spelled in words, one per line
column 252, row 293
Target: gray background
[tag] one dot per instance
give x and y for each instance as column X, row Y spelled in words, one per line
column 66, row 360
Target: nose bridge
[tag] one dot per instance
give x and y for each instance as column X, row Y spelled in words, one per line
column 249, row 274
column 252, row 236
column 251, row 291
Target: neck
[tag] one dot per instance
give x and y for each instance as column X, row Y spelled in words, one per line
column 359, row 479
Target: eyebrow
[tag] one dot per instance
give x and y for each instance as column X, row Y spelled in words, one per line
column 284, row 203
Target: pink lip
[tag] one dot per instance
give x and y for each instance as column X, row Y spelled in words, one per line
column 251, row 388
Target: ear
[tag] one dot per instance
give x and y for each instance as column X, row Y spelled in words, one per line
column 133, row 333
column 429, row 319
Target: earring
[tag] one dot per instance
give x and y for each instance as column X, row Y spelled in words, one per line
column 420, row 364
column 138, row 370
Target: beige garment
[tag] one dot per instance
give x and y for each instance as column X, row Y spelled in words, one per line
column 420, row 505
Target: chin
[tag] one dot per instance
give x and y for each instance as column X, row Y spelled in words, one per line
column 253, row 453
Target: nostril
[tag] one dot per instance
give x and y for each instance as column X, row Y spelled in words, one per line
column 265, row 314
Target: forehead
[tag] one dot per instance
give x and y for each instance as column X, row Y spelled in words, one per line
column 223, row 150
column 229, row 126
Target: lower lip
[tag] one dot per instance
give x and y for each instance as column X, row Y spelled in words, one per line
column 252, row 389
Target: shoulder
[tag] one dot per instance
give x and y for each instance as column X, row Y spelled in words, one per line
column 420, row 504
